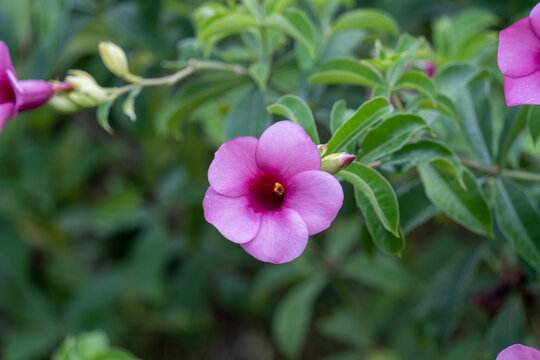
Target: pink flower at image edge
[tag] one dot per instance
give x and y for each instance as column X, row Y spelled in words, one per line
column 519, row 352
column 19, row 95
column 269, row 194
column 519, row 60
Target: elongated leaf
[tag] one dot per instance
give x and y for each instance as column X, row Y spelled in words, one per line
column 468, row 207
column 374, row 19
column 103, row 112
column 514, row 122
column 129, row 104
column 248, row 117
column 414, row 207
column 441, row 103
column 417, row 80
column 290, row 324
column 390, row 136
column 519, row 219
column 297, row 25
column 378, row 191
column 452, row 78
column 475, row 116
column 346, row 71
column 296, row 109
column 366, row 115
column 224, row 25
column 259, row 72
column 533, row 120
column 338, row 115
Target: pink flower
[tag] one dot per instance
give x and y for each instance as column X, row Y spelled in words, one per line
column 519, row 60
column 20, row 95
column 269, row 194
column 519, row 352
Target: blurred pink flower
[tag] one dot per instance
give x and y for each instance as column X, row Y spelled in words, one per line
column 519, row 352
column 519, row 60
column 20, row 95
column 269, row 194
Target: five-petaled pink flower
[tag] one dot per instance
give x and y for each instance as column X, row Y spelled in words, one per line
column 20, row 95
column 269, row 194
column 519, row 352
column 519, row 60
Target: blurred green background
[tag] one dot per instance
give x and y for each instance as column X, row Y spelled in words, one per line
column 106, row 232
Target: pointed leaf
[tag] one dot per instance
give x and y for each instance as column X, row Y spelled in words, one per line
column 295, row 109
column 372, row 19
column 295, row 24
column 417, row 80
column 103, row 112
column 129, row 104
column 346, row 71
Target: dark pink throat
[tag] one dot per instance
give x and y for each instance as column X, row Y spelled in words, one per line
column 266, row 193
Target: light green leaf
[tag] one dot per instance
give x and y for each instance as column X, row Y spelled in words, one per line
column 347, row 71
column 291, row 320
column 259, row 72
column 377, row 191
column 533, row 120
column 366, row 115
column 253, row 7
column 276, row 6
column 514, row 122
column 223, row 25
column 295, row 109
column 519, row 219
column 416, row 80
column 129, row 104
column 338, row 115
column 466, row 206
column 440, row 103
column 390, row 135
column 103, row 112
column 372, row 19
column 295, row 24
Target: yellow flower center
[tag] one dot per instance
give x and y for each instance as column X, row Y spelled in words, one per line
column 279, row 189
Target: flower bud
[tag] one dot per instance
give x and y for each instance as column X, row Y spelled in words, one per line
column 115, row 60
column 62, row 103
column 336, row 162
column 86, row 91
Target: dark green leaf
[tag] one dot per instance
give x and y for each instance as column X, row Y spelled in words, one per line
column 513, row 124
column 248, row 117
column 414, row 207
column 533, row 120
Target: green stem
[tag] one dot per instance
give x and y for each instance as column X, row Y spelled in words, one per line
column 397, row 101
column 513, row 174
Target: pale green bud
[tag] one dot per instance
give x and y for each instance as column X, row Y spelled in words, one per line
column 336, row 162
column 86, row 91
column 61, row 103
column 115, row 60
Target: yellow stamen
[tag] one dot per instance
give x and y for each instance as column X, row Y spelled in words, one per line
column 279, row 189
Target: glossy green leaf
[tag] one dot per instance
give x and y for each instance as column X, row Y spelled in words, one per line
column 369, row 113
column 377, row 191
column 292, row 317
column 103, row 112
column 519, row 219
column 129, row 104
column 295, row 109
column 475, row 117
column 514, row 122
column 390, row 135
column 467, row 206
column 416, row 80
column 346, row 71
column 338, row 115
column 371, row 19
column 533, row 121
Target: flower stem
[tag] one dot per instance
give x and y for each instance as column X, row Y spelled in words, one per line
column 513, row 174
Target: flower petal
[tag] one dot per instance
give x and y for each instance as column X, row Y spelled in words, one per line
column 519, row 352
column 233, row 218
column 519, row 49
column 285, row 150
column 6, row 94
column 317, row 197
column 33, row 94
column 282, row 237
column 522, row 90
column 233, row 167
column 5, row 113
column 534, row 16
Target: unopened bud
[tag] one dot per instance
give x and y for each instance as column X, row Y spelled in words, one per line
column 86, row 91
column 115, row 60
column 61, row 103
column 322, row 149
column 336, row 162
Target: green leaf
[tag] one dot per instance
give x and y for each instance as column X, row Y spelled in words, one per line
column 276, row 6
column 416, row 80
column 373, row 19
column 129, row 104
column 253, row 7
column 223, row 25
column 338, row 115
column 452, row 78
column 513, row 124
column 248, row 117
column 259, row 72
column 346, row 71
column 103, row 112
column 466, row 206
column 292, row 318
column 441, row 103
column 295, row 109
column 533, row 120
column 295, row 24
column 414, row 207
column 390, row 135
column 518, row 219
column 377, row 191
column 366, row 115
